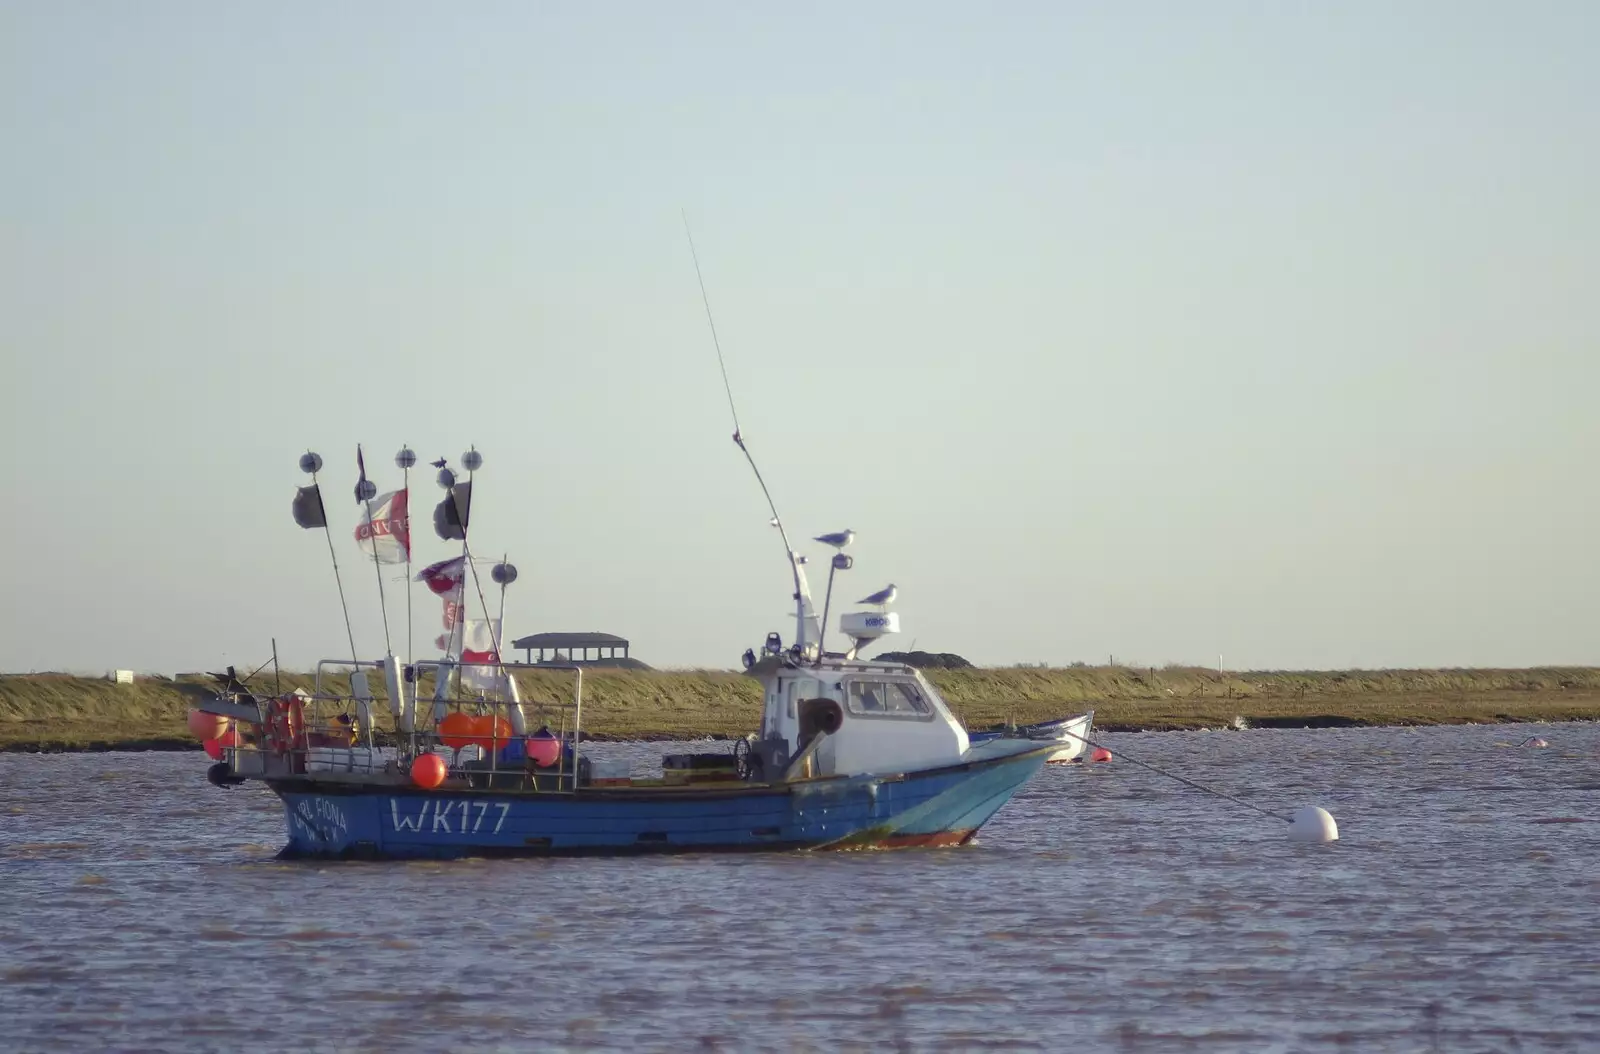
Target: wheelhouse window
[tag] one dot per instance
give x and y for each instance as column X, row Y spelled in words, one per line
column 886, row 699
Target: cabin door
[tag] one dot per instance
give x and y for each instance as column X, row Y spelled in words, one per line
column 799, row 688
column 799, row 691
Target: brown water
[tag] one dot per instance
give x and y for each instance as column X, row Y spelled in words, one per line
column 1105, row 907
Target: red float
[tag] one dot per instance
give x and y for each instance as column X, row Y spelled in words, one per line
column 230, row 737
column 1100, row 754
column 428, row 771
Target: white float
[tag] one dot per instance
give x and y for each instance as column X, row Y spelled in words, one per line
column 1312, row 824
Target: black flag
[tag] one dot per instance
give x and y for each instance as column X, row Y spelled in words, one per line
column 308, row 508
column 364, row 490
column 450, row 515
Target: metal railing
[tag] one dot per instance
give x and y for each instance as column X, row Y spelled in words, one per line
column 336, row 734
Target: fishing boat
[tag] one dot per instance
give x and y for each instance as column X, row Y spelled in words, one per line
column 452, row 761
column 1070, row 732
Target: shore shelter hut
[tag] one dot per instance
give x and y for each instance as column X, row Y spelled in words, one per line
column 572, row 647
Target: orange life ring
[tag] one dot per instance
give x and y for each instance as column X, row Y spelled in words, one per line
column 286, row 724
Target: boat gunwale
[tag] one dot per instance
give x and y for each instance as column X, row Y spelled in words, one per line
column 888, row 843
column 696, row 792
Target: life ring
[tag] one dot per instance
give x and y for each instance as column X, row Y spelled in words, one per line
column 286, row 724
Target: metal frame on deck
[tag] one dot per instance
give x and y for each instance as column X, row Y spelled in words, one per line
column 315, row 714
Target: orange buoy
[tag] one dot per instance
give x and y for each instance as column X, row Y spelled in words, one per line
column 490, row 732
column 213, row 749
column 205, row 726
column 428, row 771
column 1100, row 754
column 456, row 730
column 460, row 730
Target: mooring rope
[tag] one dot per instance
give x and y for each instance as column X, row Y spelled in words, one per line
column 1181, row 779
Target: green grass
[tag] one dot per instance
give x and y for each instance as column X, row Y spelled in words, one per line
column 58, row 711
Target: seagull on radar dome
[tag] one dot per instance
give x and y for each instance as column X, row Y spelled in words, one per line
column 838, row 539
column 883, row 597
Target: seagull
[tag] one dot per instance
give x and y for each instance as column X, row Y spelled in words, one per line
column 838, row 539
column 883, row 597
column 441, row 463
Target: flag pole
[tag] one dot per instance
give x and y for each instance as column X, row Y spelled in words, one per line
column 504, row 573
column 405, row 459
column 366, row 490
column 471, row 461
column 500, row 577
column 310, row 462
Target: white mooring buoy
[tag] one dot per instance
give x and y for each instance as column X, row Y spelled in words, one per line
column 1312, row 824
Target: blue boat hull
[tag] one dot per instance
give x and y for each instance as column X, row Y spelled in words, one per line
column 937, row 807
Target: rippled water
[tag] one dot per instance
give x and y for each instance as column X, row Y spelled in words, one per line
column 1105, row 907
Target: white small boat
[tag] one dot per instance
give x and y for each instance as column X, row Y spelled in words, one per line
column 1069, row 731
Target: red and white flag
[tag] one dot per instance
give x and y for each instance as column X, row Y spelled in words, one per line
column 445, row 577
column 478, row 643
column 385, row 528
column 448, row 579
column 479, row 658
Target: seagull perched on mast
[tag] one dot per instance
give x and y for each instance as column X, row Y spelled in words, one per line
column 838, row 539
column 883, row 597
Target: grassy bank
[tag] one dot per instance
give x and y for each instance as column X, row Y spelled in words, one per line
column 62, row 712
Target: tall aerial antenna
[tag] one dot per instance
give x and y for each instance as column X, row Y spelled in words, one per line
column 800, row 590
column 721, row 362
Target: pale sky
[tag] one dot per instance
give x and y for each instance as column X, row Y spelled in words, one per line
column 1163, row 330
